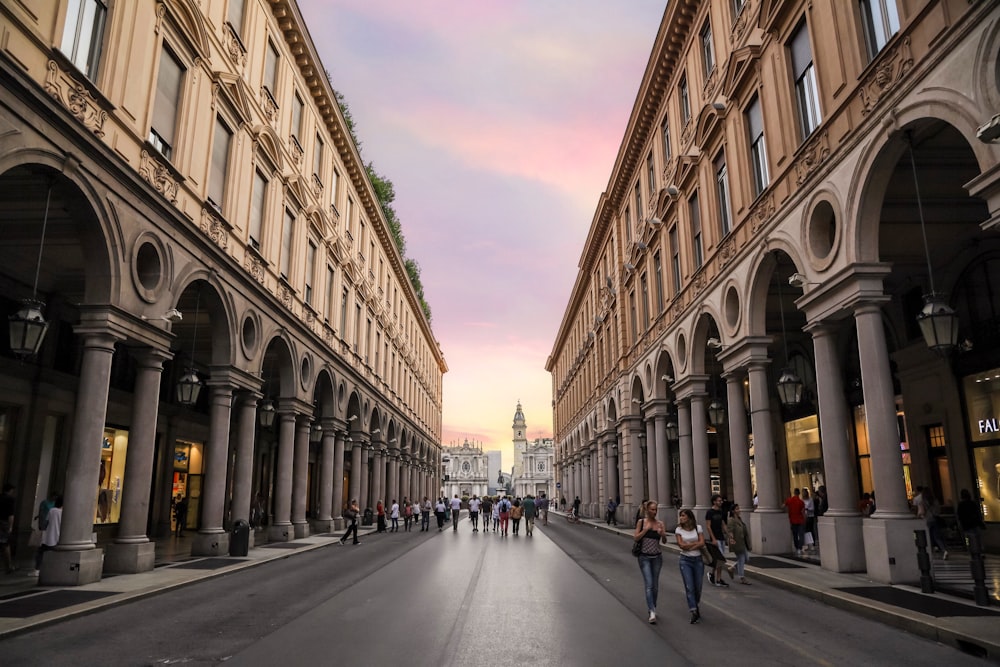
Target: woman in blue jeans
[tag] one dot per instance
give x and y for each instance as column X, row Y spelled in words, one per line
column 691, row 538
column 650, row 533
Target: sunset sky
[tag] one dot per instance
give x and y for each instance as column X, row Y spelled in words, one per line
column 498, row 124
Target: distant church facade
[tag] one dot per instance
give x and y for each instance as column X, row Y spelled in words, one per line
column 533, row 461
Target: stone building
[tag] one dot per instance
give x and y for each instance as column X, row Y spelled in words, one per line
column 533, row 467
column 228, row 316
column 466, row 471
column 791, row 278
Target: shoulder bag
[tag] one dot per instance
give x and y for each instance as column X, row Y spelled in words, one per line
column 637, row 547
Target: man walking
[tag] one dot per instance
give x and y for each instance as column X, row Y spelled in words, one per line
column 425, row 514
column 487, row 510
column 351, row 514
column 609, row 516
column 530, row 511
column 456, row 508
column 796, row 518
column 543, row 509
column 718, row 534
column 474, row 512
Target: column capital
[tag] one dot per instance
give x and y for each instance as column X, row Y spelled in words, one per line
column 692, row 385
column 151, row 357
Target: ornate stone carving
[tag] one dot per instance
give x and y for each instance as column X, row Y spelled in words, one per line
column 688, row 132
column 708, row 90
column 669, row 169
column 700, row 280
column 158, row 176
column 74, row 96
column 740, row 26
column 214, row 227
column 762, row 212
column 727, row 250
column 317, row 186
column 310, row 318
column 285, row 296
column 890, row 68
column 267, row 105
column 295, row 150
column 234, row 47
column 815, row 152
column 254, row 266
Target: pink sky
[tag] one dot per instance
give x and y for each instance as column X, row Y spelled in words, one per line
column 498, row 124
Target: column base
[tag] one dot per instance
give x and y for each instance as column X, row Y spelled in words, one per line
column 210, row 544
column 317, row 526
column 626, row 514
column 770, row 532
column 129, row 558
column 71, row 568
column 842, row 546
column 280, row 533
column 890, row 552
column 301, row 529
column 668, row 515
column 340, row 524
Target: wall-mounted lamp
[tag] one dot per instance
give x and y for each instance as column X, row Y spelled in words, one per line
column 629, row 266
column 672, row 190
column 789, row 384
column 352, row 418
column 27, row 326
column 799, row 280
column 172, row 315
column 316, row 434
column 938, row 321
column 666, row 378
column 714, row 344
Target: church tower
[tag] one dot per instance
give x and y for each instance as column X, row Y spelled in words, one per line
column 519, row 431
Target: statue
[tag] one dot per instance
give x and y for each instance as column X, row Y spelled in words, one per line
column 499, row 476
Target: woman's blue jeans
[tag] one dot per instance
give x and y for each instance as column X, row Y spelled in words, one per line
column 650, row 567
column 693, row 574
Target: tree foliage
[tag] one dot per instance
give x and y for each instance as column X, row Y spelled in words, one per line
column 386, row 194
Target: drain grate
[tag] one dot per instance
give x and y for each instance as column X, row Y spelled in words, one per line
column 32, row 605
column 918, row 602
column 208, row 563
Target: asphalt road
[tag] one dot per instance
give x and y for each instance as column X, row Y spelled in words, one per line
column 571, row 595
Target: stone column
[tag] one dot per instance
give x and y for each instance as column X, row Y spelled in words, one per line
column 243, row 474
column 595, row 481
column 300, row 475
column 888, row 533
column 687, row 460
column 132, row 550
column 769, row 528
column 665, row 510
column 378, row 475
column 843, row 548
column 612, row 469
column 634, row 483
column 651, row 472
column 585, row 497
column 337, row 508
column 212, row 539
column 354, row 484
column 281, row 529
column 699, row 456
column 75, row 561
column 394, row 486
column 323, row 523
column 365, row 501
column 739, row 450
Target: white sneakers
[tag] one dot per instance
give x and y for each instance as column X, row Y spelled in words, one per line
column 652, row 618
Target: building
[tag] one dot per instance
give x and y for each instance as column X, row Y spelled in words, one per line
column 756, row 307
column 227, row 312
column 494, row 458
column 466, row 471
column 538, row 469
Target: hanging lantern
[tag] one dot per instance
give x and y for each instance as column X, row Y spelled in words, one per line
column 27, row 328
column 939, row 325
column 188, row 388
column 673, row 433
column 265, row 415
column 316, row 434
column 789, row 388
column 717, row 412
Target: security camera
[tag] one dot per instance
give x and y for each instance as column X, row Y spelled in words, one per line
column 636, row 400
column 352, row 418
column 989, row 131
column 667, row 378
column 797, row 280
column 655, row 221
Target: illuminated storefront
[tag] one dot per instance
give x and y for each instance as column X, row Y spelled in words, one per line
column 982, row 399
column 114, row 449
column 187, row 481
column 805, row 455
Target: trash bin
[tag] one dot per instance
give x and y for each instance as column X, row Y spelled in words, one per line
column 239, row 541
column 369, row 517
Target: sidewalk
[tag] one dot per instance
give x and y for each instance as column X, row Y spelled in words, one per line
column 948, row 619
column 945, row 618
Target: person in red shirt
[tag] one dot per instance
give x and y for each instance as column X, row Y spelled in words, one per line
column 796, row 518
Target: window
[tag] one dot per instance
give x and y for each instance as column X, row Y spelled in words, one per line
column 318, row 158
column 271, row 68
column 659, row 281
column 84, row 34
column 285, row 259
column 297, row 108
column 334, row 196
column 665, row 133
column 650, row 176
column 738, row 7
column 707, row 53
column 310, row 271
column 330, row 295
column 880, row 19
column 343, row 313
column 644, row 289
column 635, row 322
column 638, row 200
column 220, row 163
column 257, row 208
column 758, row 150
column 806, row 91
column 166, row 104
column 696, row 241
column 675, row 260
column 722, row 190
column 685, row 100
column 628, row 224
column 357, row 325
column 235, row 14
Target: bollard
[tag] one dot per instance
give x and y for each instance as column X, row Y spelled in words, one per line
column 923, row 562
column 978, row 566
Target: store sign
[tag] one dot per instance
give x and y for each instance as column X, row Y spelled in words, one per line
column 988, row 426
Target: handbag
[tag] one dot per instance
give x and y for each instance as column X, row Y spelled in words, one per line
column 706, row 556
column 636, row 548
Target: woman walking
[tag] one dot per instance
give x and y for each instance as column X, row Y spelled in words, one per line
column 380, row 513
column 739, row 541
column 691, row 538
column 394, row 515
column 516, row 512
column 650, row 533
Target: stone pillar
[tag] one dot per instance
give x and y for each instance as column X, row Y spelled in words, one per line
column 76, row 561
column 323, row 523
column 366, row 457
column 585, row 498
column 300, row 476
column 212, row 539
column 394, row 486
column 888, row 533
column 634, row 482
column 651, row 472
column 281, row 529
column 337, row 508
column 699, row 457
column 132, row 550
column 687, row 461
column 354, row 485
column 665, row 510
column 243, row 473
column 378, row 475
column 612, row 469
column 595, row 481
column 770, row 532
column 739, row 450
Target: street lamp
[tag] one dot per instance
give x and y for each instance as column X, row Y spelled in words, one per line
column 789, row 384
column 27, row 326
column 189, row 385
column 938, row 321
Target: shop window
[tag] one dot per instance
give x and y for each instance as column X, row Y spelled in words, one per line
column 805, row 454
column 187, row 479
column 114, row 449
column 988, row 480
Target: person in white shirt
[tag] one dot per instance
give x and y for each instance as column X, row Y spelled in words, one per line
column 691, row 538
column 394, row 515
column 425, row 515
column 50, row 537
column 474, row 512
column 439, row 509
column 456, row 508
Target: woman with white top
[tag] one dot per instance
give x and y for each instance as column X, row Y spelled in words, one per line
column 690, row 539
column 394, row 515
column 650, row 533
